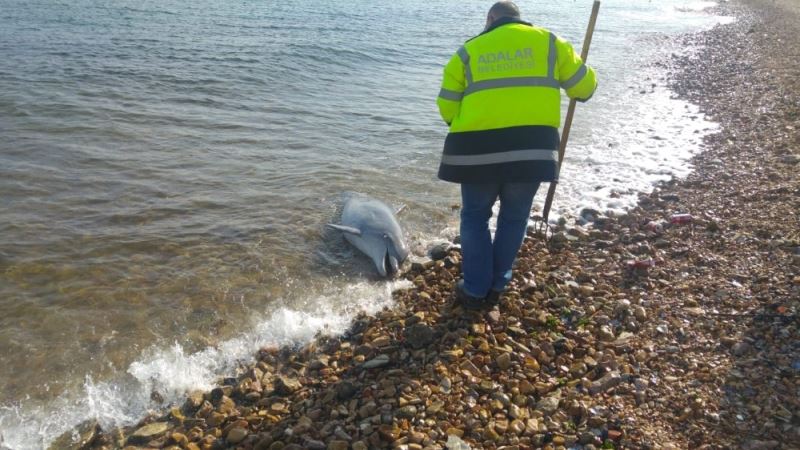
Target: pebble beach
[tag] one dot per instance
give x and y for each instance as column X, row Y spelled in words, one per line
column 676, row 325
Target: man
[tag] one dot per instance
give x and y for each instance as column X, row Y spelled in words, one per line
column 501, row 98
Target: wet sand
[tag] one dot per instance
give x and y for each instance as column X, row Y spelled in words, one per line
column 634, row 333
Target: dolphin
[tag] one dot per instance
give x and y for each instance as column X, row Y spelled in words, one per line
column 371, row 227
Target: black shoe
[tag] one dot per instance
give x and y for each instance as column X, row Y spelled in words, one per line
column 467, row 301
column 494, row 297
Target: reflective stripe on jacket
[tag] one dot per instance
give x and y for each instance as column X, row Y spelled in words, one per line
column 501, row 97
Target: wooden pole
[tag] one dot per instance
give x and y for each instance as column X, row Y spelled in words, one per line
column 587, row 41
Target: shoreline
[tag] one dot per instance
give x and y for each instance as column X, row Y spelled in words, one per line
column 583, row 351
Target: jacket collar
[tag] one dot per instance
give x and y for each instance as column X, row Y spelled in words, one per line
column 504, row 21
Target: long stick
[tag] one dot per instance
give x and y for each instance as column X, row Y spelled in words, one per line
column 587, row 41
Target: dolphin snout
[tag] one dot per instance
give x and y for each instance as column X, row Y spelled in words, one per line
column 390, row 265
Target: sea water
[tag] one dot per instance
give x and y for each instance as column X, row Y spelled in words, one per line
column 167, row 169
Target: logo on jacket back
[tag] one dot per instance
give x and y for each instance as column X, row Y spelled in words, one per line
column 521, row 58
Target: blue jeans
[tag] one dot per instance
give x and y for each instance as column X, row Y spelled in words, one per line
column 486, row 265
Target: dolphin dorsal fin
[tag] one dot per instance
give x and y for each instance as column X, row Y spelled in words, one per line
column 345, row 229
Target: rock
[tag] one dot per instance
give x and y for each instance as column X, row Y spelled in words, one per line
column 548, row 405
column 526, row 388
column 215, row 419
column 278, row 408
column 502, row 398
column 236, row 435
column 501, row 426
column 319, row 363
column 761, row 445
column 419, row 335
column 76, row 439
column 471, row 367
column 434, row 408
column 147, row 433
column 622, row 308
column 663, row 243
column 490, row 434
column 639, row 313
column 226, row 405
column 486, row 386
column 381, row 341
column 517, row 427
column 364, row 349
column 605, row 334
column 450, row 261
column 416, row 437
column 578, row 232
column 670, row 198
column 445, row 384
column 304, row 424
column 407, row 412
column 577, row 369
column 367, row 410
column 503, row 361
column 439, row 251
column 515, row 412
column 455, row 442
column 388, row 432
column 313, row 444
column 603, row 243
column 455, row 432
column 194, row 399
column 586, row 437
column 608, row 381
column 790, row 159
column 286, row 385
column 589, row 214
column 695, row 311
column 338, row 445
column 586, row 290
column 614, row 435
column 740, row 348
column 378, row 361
column 179, row 439
column 420, row 266
column 345, row 389
column 561, row 238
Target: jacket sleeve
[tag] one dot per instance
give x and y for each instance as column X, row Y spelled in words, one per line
column 453, row 84
column 575, row 77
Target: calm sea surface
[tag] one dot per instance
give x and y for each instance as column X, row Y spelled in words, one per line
column 167, row 169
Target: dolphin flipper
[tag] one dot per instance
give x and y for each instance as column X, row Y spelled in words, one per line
column 345, row 229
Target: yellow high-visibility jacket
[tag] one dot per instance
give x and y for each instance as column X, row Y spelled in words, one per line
column 501, row 96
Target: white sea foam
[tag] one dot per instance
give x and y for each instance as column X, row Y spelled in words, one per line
column 694, row 6
column 652, row 143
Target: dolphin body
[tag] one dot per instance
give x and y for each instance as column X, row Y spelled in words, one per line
column 371, row 227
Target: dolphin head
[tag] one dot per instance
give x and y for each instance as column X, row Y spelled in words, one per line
column 371, row 227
